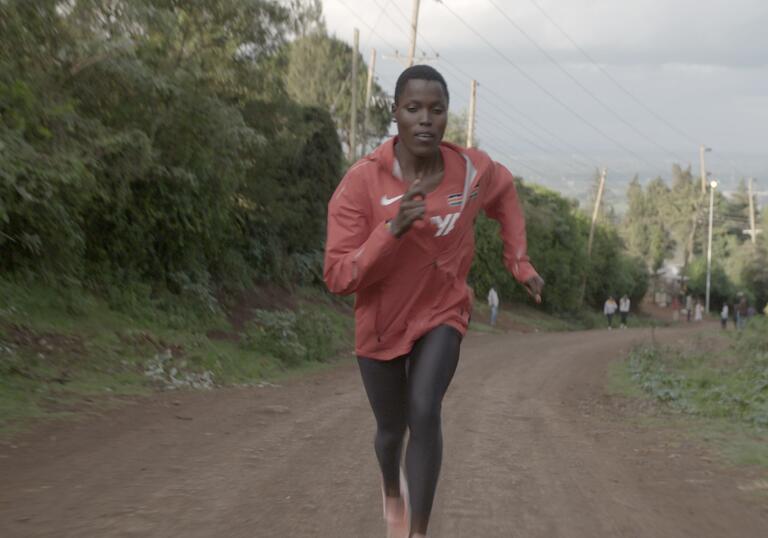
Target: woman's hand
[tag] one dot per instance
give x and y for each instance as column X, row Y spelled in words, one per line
column 533, row 286
column 412, row 208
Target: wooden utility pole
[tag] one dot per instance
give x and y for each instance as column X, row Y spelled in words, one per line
column 703, row 149
column 353, row 119
column 753, row 231
column 596, row 211
column 367, row 105
column 414, row 32
column 472, row 112
column 752, row 228
column 713, row 186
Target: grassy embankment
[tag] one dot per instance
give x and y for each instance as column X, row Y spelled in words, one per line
column 63, row 352
column 716, row 388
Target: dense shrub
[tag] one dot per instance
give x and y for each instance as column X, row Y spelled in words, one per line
column 127, row 154
column 557, row 245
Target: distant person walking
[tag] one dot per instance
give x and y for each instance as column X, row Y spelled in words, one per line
column 688, row 307
column 699, row 309
column 742, row 312
column 724, row 316
column 609, row 309
column 493, row 302
column 624, row 304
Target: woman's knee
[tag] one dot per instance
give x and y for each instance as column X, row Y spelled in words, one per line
column 424, row 418
column 390, row 436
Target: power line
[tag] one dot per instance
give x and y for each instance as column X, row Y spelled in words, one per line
column 579, row 84
column 383, row 8
column 572, row 152
column 386, row 13
column 543, row 89
column 507, row 130
column 504, row 110
column 518, row 162
column 613, row 80
column 371, row 28
column 508, row 106
column 575, row 157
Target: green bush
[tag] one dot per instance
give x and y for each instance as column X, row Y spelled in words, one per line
column 557, row 245
column 695, row 384
column 307, row 335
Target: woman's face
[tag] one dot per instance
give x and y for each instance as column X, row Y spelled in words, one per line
column 422, row 115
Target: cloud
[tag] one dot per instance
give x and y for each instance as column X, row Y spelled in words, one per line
column 702, row 66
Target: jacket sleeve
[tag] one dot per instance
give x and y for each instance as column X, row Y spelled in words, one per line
column 358, row 252
column 502, row 204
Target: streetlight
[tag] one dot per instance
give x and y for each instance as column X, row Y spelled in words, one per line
column 702, row 150
column 712, row 184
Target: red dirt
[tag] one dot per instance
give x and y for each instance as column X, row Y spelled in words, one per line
column 534, row 448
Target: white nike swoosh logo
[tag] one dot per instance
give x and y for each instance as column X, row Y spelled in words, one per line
column 388, row 201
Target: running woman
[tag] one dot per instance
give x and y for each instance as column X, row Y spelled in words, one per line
column 401, row 237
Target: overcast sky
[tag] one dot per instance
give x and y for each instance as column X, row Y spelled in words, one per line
column 698, row 68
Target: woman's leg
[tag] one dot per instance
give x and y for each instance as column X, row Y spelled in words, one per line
column 431, row 366
column 386, row 385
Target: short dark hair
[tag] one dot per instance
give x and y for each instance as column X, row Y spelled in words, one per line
column 419, row 72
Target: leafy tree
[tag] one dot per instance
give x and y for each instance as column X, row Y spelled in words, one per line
column 317, row 73
column 127, row 150
column 557, row 244
column 722, row 289
column 754, row 275
column 684, row 211
column 645, row 230
column 456, row 131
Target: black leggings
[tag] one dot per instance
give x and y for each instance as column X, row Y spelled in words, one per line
column 408, row 392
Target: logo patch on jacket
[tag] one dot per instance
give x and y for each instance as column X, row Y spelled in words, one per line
column 445, row 224
column 455, row 200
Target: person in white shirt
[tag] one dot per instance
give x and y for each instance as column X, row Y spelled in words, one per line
column 624, row 304
column 493, row 302
column 699, row 311
column 724, row 316
column 609, row 309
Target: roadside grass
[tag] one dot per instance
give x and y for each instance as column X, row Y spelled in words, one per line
column 63, row 351
column 716, row 387
column 620, row 381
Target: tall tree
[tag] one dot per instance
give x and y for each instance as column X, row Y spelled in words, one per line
column 645, row 228
column 683, row 211
column 318, row 69
column 456, row 131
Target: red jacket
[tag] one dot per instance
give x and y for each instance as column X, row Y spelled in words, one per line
column 407, row 286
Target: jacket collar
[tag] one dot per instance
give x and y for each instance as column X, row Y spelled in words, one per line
column 384, row 155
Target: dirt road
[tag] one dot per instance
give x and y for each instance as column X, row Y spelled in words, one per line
column 533, row 448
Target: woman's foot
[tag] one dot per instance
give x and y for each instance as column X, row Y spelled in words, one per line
column 396, row 516
column 396, row 510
